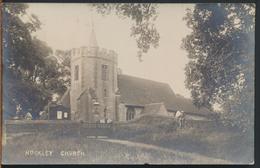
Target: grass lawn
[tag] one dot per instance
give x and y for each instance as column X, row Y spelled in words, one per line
column 95, row 151
column 130, row 145
column 223, row 143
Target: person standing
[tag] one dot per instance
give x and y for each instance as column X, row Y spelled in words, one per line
column 180, row 118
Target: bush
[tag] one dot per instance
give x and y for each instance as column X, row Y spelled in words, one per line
column 218, row 142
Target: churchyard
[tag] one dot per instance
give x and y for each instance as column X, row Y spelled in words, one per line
column 149, row 140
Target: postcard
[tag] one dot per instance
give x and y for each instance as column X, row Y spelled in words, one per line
column 128, row 83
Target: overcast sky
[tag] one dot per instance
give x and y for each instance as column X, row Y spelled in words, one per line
column 67, row 26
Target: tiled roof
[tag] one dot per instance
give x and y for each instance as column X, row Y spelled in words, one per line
column 65, row 99
column 139, row 91
column 152, row 108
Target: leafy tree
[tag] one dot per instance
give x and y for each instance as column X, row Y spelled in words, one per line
column 143, row 15
column 30, row 74
column 64, row 63
column 221, row 53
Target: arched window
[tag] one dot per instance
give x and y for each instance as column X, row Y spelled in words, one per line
column 104, row 72
column 105, row 93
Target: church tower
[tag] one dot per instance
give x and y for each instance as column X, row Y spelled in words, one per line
column 93, row 82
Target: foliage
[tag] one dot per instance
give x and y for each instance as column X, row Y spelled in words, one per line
column 31, row 75
column 64, row 59
column 221, row 53
column 143, row 15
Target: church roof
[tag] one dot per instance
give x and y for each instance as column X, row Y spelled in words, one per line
column 140, row 92
column 91, row 91
column 187, row 106
column 65, row 99
column 152, row 108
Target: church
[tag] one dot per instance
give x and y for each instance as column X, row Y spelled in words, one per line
column 100, row 91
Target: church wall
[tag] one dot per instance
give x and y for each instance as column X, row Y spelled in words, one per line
column 75, row 84
column 83, row 114
column 122, row 112
column 89, row 71
column 106, row 99
column 115, row 83
column 123, row 109
column 117, row 102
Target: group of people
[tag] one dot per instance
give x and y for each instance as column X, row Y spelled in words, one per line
column 43, row 115
column 27, row 116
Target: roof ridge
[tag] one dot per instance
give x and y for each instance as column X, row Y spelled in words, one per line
column 155, row 103
column 143, row 79
column 64, row 95
column 82, row 92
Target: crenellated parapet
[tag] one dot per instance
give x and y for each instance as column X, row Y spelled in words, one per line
column 99, row 53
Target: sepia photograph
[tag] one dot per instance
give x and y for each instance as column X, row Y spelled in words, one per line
column 128, row 83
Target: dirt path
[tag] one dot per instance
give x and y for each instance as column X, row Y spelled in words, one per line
column 198, row 159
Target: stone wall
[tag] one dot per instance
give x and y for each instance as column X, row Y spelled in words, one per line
column 122, row 112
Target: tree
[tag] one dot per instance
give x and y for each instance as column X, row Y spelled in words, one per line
column 221, row 52
column 143, row 15
column 64, row 62
column 30, row 74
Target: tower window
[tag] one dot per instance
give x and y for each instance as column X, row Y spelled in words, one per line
column 104, row 72
column 76, row 73
column 105, row 93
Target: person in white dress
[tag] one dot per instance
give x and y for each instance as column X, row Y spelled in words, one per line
column 180, row 118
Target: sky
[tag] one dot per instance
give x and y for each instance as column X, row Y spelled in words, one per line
column 67, row 26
